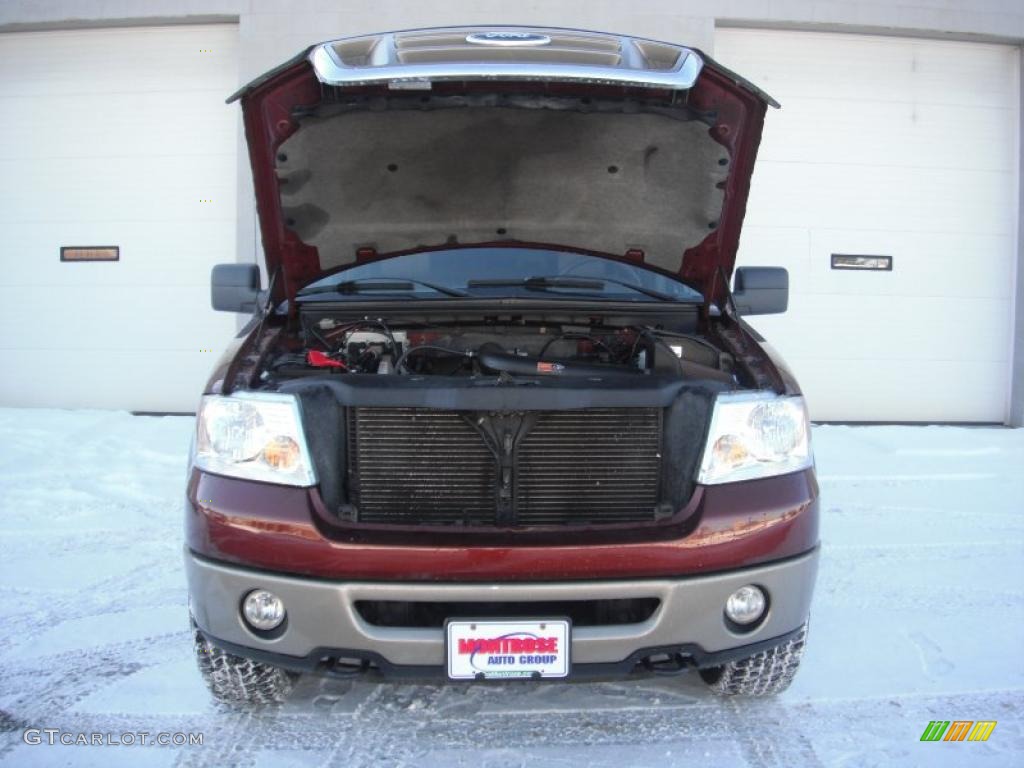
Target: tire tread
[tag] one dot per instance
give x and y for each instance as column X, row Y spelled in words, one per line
column 764, row 674
column 239, row 681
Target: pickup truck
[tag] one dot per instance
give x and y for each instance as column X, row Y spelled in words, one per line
column 498, row 414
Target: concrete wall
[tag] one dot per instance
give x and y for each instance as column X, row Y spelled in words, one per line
column 279, row 27
column 1016, row 405
column 273, row 30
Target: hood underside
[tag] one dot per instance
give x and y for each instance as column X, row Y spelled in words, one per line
column 655, row 171
column 401, row 179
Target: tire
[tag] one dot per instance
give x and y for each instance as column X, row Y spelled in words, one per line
column 239, row 681
column 763, row 674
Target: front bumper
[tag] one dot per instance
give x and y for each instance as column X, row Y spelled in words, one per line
column 323, row 621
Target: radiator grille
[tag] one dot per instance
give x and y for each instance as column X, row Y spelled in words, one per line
column 434, row 467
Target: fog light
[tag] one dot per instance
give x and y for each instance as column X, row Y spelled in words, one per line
column 263, row 610
column 746, row 605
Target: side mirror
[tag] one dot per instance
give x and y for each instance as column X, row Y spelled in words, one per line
column 235, row 287
column 761, row 290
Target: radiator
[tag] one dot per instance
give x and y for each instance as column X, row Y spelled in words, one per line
column 419, row 466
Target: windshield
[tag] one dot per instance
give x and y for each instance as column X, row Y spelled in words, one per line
column 499, row 273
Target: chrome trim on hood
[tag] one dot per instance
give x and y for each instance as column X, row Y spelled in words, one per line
column 507, row 39
column 422, row 57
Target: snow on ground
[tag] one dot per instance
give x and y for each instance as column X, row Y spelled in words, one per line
column 918, row 616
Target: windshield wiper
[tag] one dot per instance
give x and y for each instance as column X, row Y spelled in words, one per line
column 538, row 283
column 586, row 284
column 367, row 284
column 641, row 289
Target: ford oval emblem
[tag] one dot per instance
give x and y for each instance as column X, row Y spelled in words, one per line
column 507, row 38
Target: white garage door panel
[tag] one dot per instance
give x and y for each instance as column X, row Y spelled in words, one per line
column 904, row 338
column 184, row 125
column 896, row 198
column 892, row 70
column 88, row 379
column 167, row 262
column 925, row 387
column 127, row 60
column 120, row 189
column 116, row 137
column 148, row 317
column 937, row 264
column 803, row 133
column 930, row 264
column 899, row 147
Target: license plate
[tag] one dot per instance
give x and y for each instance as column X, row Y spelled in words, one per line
column 494, row 648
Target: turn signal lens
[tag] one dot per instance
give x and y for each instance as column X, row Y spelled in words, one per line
column 729, row 449
column 281, row 453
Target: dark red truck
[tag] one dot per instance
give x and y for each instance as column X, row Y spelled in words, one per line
column 497, row 414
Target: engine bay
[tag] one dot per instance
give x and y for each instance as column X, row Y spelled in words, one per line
column 327, row 345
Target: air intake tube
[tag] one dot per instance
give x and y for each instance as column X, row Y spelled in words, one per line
column 494, row 359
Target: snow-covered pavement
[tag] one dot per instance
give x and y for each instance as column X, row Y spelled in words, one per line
column 918, row 616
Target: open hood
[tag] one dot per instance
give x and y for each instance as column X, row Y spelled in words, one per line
column 375, row 146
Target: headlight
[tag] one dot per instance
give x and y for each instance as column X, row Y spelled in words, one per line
column 755, row 435
column 255, row 436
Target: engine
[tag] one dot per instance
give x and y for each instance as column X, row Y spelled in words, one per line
column 335, row 347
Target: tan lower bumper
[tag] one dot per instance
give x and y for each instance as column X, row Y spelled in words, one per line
column 322, row 614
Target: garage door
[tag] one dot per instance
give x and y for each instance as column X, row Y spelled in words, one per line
column 893, row 147
column 114, row 138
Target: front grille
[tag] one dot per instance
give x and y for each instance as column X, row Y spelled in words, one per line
column 433, row 467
